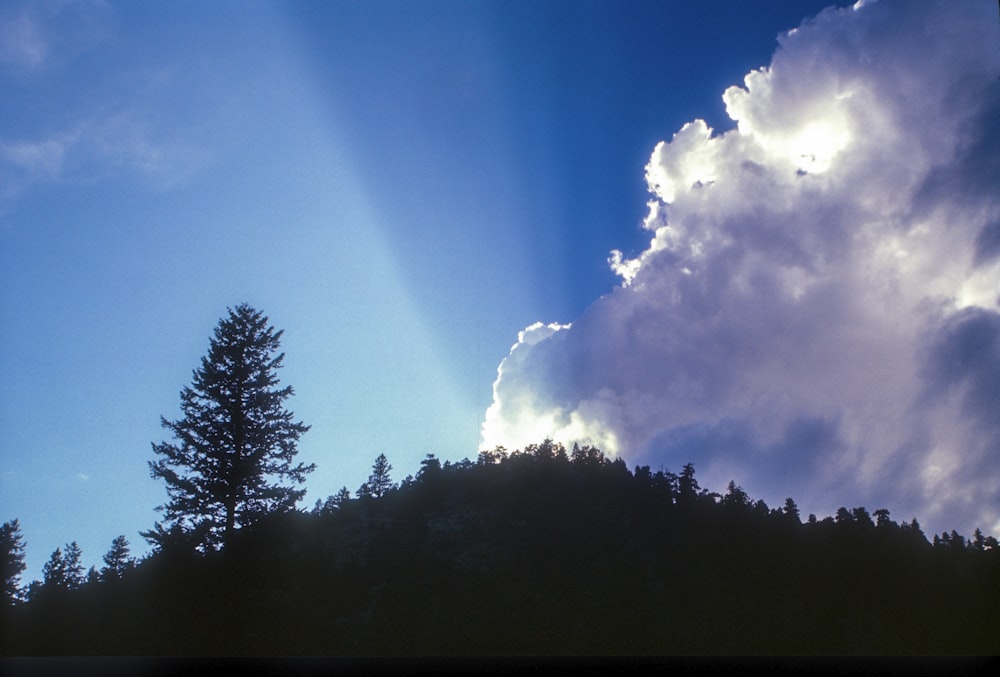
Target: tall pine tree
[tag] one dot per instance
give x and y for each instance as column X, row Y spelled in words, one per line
column 12, row 562
column 118, row 560
column 236, row 442
column 379, row 482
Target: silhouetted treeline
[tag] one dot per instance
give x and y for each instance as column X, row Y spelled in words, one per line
column 543, row 551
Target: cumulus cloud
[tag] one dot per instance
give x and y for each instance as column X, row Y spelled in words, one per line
column 816, row 313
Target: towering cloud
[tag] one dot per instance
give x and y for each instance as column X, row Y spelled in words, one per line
column 818, row 311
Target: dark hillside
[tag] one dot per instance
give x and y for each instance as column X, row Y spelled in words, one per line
column 540, row 553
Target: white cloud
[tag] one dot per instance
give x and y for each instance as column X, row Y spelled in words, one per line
column 818, row 304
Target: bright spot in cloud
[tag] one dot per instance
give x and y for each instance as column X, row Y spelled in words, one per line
column 814, row 148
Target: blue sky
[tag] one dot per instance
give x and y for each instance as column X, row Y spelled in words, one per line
column 402, row 187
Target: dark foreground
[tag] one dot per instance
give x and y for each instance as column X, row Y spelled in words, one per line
column 539, row 555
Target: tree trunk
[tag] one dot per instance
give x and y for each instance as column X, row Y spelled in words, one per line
column 230, row 521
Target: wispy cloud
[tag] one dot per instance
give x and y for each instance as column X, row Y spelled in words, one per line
column 33, row 34
column 22, row 42
column 36, row 159
column 817, row 311
column 98, row 149
column 79, row 135
column 162, row 156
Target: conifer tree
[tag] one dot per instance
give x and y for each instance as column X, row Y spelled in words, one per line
column 332, row 503
column 688, row 488
column 379, row 482
column 73, row 563
column 64, row 571
column 235, row 443
column 340, row 498
column 118, row 560
column 12, row 551
column 93, row 576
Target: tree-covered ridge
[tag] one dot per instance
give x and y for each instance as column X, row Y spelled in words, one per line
column 540, row 551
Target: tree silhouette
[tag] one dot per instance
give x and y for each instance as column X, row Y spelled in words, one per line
column 12, row 551
column 913, row 528
column 791, row 509
column 117, row 561
column 736, row 498
column 491, row 456
column 430, row 468
column 333, row 502
column 587, row 455
column 93, row 576
column 687, row 484
column 379, row 482
column 64, row 571
column 861, row 517
column 236, row 439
